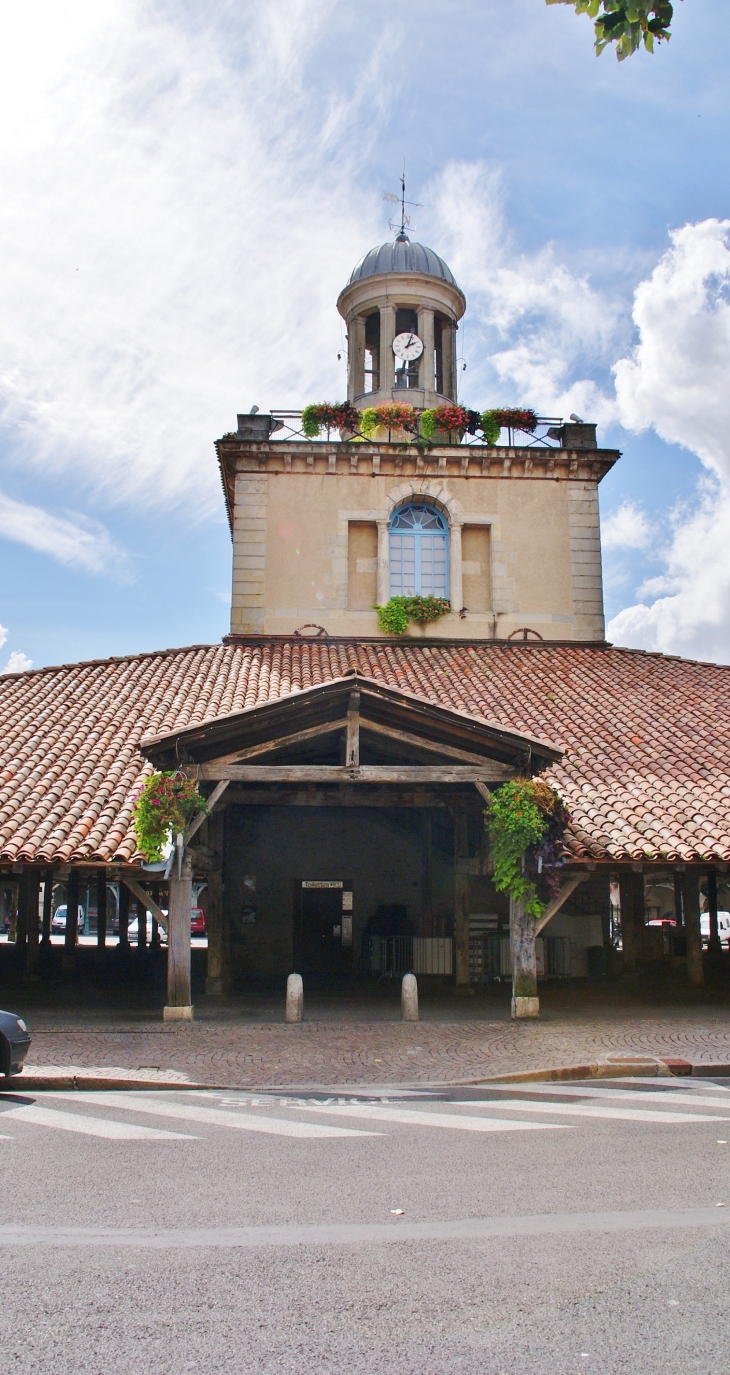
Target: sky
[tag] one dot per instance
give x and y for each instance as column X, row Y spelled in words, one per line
column 187, row 187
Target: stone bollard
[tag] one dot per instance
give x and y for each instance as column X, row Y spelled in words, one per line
column 294, row 998
column 409, row 998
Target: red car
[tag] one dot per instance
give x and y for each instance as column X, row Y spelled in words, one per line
column 197, row 922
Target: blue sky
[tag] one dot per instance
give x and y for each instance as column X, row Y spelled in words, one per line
column 186, row 189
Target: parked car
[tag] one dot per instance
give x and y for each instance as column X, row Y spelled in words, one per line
column 14, row 1043
column 197, row 922
column 58, row 920
column 132, row 929
column 723, row 929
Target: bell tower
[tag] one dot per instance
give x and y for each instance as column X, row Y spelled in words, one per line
column 402, row 309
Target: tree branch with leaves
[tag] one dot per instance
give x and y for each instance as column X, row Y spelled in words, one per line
column 627, row 23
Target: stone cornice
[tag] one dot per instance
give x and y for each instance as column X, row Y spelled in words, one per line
column 320, row 457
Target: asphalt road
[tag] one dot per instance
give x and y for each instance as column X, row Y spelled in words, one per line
column 537, row 1230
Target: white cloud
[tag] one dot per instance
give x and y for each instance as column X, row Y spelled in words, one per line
column 677, row 377
column 178, row 241
column 626, row 528
column 77, row 543
column 18, row 663
column 3, row 635
column 677, row 380
column 532, row 324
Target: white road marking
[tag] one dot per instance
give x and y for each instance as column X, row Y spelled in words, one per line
column 216, row 1117
column 687, row 1097
column 91, row 1126
column 593, row 1110
column 411, row 1117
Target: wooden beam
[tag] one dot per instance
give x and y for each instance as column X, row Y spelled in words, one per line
column 556, row 904
column 344, row 797
column 283, row 742
column 483, row 789
column 143, row 897
column 217, row 792
column 352, row 748
column 445, row 751
column 367, row 773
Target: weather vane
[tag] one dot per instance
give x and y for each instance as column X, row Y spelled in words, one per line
column 405, row 220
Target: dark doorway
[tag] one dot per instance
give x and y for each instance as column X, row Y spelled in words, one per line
column 318, row 930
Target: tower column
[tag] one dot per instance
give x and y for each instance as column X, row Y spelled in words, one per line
column 356, row 357
column 426, row 370
column 448, row 351
column 387, row 359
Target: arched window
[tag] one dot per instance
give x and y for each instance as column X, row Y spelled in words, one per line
column 419, row 564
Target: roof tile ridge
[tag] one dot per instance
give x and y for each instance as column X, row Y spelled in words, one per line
column 117, row 659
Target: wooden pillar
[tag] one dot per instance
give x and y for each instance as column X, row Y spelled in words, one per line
column 47, row 906
column 629, row 940
column 461, row 902
column 525, row 1002
column 426, row 873
column 155, row 941
column 21, row 925
column 68, row 959
column 714, row 946
column 13, row 929
column 216, row 973
column 32, row 893
column 179, row 1006
column 691, row 904
column 141, row 912
column 123, row 915
column 101, row 909
column 678, row 904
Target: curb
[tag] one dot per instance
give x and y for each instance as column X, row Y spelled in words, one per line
column 36, row 1083
column 649, row 1068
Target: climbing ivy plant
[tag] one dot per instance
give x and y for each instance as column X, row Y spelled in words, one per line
column 526, row 823
column 165, row 805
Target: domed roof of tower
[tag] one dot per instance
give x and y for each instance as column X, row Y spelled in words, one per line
column 402, row 256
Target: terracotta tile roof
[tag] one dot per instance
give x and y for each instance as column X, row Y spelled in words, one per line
column 646, row 772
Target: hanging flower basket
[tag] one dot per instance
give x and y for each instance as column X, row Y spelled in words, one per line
column 444, row 421
column 393, row 618
column 342, row 416
column 394, row 418
column 165, row 805
column 515, row 419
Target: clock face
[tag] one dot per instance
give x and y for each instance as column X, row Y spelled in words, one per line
column 408, row 347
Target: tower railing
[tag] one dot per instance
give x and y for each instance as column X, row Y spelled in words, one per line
column 289, row 427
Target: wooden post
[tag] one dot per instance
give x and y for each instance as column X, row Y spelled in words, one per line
column 714, row 945
column 691, row 904
column 141, row 925
column 32, row 892
column 68, row 959
column 678, row 904
column 47, row 906
column 525, row 1002
column 21, row 926
column 628, row 927
column 155, row 941
column 426, row 874
column 179, row 1006
column 352, row 749
column 461, row 903
column 101, row 909
column 123, row 915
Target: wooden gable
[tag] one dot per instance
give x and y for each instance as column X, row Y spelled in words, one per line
column 352, row 729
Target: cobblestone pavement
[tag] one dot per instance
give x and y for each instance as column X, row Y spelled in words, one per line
column 340, row 1044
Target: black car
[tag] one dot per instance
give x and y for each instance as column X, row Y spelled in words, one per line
column 14, row 1042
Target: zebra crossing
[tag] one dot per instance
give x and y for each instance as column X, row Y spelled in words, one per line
column 189, row 1115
